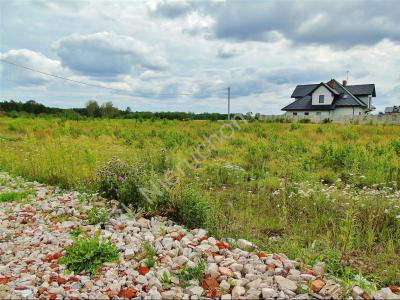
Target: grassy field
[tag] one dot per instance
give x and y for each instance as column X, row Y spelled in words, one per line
column 314, row 192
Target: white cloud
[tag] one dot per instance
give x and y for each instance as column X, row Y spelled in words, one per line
column 30, row 59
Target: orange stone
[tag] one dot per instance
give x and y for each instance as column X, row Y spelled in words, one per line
column 143, row 270
column 317, row 285
column 61, row 280
column 210, row 283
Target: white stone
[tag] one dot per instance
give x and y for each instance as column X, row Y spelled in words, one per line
column 245, row 245
column 285, row 284
column 235, row 267
column 238, row 291
column 224, row 285
column 196, row 290
column 267, row 293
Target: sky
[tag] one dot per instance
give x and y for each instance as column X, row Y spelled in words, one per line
column 181, row 55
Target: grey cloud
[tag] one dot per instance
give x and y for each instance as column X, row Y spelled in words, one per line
column 341, row 24
column 225, row 52
column 106, row 54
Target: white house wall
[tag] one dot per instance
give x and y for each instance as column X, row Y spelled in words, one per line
column 348, row 111
column 328, row 97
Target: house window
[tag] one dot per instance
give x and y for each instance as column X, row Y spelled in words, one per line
column 306, row 113
column 321, row 98
column 295, row 114
column 318, row 113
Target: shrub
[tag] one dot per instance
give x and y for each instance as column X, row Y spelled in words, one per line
column 88, row 254
column 96, row 216
column 120, row 181
column 192, row 209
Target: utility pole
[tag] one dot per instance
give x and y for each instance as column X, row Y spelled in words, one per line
column 347, row 76
column 229, row 103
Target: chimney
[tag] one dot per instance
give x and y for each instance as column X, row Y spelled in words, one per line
column 344, row 82
column 331, row 83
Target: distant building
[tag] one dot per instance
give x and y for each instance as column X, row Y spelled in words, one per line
column 331, row 99
column 391, row 110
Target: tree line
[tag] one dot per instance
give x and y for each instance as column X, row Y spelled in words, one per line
column 93, row 109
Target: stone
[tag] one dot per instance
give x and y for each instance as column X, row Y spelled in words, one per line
column 245, row 245
column 196, row 291
column 268, row 293
column 129, row 253
column 168, row 295
column 319, row 268
column 224, row 285
column 254, row 284
column 317, row 285
column 285, row 284
column 180, row 260
column 226, row 297
column 357, row 292
column 307, row 277
column 225, row 271
column 235, row 267
column 385, row 293
column 238, row 291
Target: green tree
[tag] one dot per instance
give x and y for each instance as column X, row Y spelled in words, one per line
column 92, row 108
column 108, row 110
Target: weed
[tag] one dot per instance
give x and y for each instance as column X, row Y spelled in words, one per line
column 88, row 254
column 14, row 196
column 75, row 232
column 192, row 273
column 150, row 253
column 96, row 216
column 192, row 209
column 165, row 280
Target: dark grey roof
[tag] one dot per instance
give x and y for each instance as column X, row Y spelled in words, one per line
column 304, row 103
column 346, row 98
column 356, row 89
column 303, row 90
column 362, row 89
column 392, row 109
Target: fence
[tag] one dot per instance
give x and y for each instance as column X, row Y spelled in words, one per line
column 368, row 119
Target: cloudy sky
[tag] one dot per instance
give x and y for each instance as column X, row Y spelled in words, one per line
column 181, row 55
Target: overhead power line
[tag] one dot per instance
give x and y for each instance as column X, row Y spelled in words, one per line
column 97, row 85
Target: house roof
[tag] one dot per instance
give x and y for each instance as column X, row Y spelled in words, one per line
column 303, row 90
column 362, row 89
column 392, row 109
column 356, row 89
column 304, row 103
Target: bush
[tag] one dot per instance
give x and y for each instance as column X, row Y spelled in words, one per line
column 88, row 254
column 192, row 209
column 120, row 181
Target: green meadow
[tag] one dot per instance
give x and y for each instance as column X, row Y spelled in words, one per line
column 315, row 192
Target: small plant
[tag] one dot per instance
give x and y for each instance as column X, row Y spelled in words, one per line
column 75, row 232
column 192, row 209
column 150, row 253
column 165, row 281
column 96, row 216
column 192, row 273
column 88, row 254
column 13, row 196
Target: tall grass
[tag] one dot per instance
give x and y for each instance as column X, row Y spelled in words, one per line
column 324, row 191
